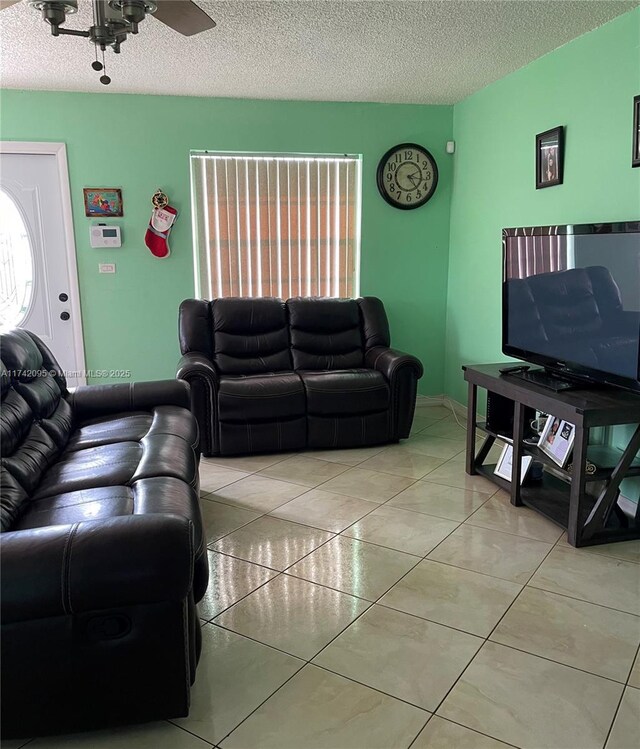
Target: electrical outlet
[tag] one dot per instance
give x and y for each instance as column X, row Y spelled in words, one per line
column 106, row 267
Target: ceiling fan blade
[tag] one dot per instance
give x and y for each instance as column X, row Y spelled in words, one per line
column 183, row 16
column 7, row 3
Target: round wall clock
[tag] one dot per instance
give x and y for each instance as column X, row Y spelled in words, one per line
column 407, row 176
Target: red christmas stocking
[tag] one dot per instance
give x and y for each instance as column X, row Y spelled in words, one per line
column 157, row 236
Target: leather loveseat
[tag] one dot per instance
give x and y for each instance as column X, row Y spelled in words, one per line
column 103, row 555
column 269, row 375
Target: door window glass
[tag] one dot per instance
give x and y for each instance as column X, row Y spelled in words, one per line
column 16, row 265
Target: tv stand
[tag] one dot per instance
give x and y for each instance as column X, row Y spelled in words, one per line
column 585, row 504
column 549, row 379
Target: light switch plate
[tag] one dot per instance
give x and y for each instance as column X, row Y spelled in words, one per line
column 106, row 267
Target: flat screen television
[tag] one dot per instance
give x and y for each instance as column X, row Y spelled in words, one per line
column 571, row 300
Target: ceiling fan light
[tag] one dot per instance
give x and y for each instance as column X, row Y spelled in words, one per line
column 68, row 6
column 54, row 13
column 133, row 11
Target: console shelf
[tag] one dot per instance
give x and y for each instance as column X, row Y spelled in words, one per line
column 586, row 505
column 604, row 457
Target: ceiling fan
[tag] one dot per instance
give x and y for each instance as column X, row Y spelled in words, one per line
column 114, row 20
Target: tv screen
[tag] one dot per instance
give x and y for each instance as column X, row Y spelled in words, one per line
column 571, row 299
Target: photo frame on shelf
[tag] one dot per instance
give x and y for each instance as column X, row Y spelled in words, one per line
column 556, row 439
column 550, row 157
column 504, row 467
column 635, row 156
column 104, row 202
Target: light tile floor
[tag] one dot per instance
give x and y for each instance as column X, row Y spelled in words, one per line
column 380, row 598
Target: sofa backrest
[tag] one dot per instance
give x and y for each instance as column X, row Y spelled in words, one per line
column 256, row 335
column 35, row 419
column 325, row 333
column 250, row 336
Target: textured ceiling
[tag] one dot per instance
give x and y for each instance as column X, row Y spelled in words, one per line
column 434, row 52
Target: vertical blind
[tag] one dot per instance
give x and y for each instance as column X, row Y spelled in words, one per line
column 280, row 225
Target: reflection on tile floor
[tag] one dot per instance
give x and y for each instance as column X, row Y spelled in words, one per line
column 438, row 617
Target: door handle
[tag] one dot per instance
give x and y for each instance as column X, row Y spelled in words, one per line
column 64, row 316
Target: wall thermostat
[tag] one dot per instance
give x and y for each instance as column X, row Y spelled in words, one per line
column 105, row 236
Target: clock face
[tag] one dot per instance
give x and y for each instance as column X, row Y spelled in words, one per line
column 407, row 176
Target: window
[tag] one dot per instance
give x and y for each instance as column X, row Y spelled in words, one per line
column 16, row 265
column 276, row 225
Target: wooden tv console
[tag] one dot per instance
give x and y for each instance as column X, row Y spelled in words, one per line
column 586, row 506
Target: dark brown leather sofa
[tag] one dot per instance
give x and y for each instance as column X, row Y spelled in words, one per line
column 103, row 554
column 269, row 375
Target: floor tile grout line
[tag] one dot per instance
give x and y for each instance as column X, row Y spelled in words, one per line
column 497, row 624
column 368, row 686
column 495, row 577
column 304, row 661
column 633, row 663
column 615, row 716
column 427, row 619
column 552, row 660
column 277, row 574
column 235, row 728
column 190, row 733
column 475, row 730
column 583, row 600
column 415, row 738
column 507, row 533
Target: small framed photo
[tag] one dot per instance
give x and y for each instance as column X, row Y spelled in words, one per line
column 550, row 157
column 102, row 202
column 556, row 439
column 635, row 157
column 504, row 466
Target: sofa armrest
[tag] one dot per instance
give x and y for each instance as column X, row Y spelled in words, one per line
column 389, row 361
column 197, row 365
column 202, row 375
column 93, row 401
column 402, row 372
column 71, row 569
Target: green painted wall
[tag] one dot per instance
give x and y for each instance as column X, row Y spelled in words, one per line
column 588, row 85
column 140, row 143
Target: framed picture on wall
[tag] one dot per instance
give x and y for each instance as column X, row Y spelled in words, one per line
column 550, row 157
column 635, row 157
column 102, row 201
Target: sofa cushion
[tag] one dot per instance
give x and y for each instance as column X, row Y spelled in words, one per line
column 159, row 495
column 261, row 397
column 105, row 465
column 133, row 426
column 345, row 392
column 250, row 336
column 325, row 333
column 75, row 507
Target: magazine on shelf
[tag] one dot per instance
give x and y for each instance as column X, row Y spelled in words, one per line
column 556, row 439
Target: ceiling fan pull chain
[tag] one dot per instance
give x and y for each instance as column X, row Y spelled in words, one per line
column 104, row 78
column 96, row 64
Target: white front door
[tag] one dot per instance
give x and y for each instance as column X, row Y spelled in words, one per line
column 38, row 277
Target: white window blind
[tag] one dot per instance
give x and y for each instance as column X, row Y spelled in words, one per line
column 276, row 225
